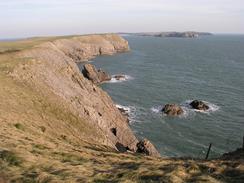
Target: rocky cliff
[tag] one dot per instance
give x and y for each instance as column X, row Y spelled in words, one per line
column 51, row 68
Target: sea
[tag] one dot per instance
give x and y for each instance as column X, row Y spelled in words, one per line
column 159, row 71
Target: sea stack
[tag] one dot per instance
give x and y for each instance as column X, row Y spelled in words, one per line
column 199, row 105
column 172, row 110
column 119, row 77
column 96, row 76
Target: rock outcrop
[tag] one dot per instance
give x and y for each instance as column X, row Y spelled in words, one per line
column 50, row 69
column 96, row 76
column 146, row 147
column 238, row 154
column 172, row 110
column 199, row 105
column 119, row 77
column 83, row 48
column 123, row 111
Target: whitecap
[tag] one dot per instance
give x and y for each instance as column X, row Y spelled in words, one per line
column 186, row 112
column 114, row 80
column 130, row 110
column 156, row 109
column 127, row 109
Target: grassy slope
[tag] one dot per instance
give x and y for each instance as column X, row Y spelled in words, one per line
column 13, row 46
column 32, row 149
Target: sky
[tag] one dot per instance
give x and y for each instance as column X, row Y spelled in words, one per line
column 26, row 18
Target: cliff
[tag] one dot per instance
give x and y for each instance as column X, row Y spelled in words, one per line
column 57, row 126
column 51, row 70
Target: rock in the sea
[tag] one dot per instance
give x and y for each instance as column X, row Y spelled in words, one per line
column 103, row 76
column 146, row 147
column 96, row 76
column 123, row 111
column 119, row 77
column 200, row 105
column 172, row 110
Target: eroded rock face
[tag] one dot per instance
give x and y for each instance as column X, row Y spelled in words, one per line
column 172, row 110
column 96, row 76
column 53, row 73
column 199, row 105
column 146, row 147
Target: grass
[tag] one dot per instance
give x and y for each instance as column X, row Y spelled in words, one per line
column 11, row 158
column 39, row 146
column 15, row 46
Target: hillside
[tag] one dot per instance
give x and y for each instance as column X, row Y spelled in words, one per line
column 56, row 125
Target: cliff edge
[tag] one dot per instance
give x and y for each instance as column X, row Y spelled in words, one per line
column 52, row 71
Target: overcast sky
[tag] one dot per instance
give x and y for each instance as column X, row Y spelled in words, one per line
column 25, row 18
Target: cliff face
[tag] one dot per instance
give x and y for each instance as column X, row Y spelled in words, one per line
column 52, row 69
column 84, row 48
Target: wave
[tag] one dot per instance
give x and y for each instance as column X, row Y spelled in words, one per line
column 156, row 109
column 130, row 110
column 124, row 78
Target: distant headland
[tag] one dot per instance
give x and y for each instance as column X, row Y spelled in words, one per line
column 187, row 34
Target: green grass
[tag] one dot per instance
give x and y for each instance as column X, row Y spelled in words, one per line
column 15, row 46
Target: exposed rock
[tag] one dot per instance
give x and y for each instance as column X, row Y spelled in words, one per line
column 146, row 147
column 103, row 76
column 123, row 111
column 238, row 154
column 83, row 48
column 199, row 105
column 57, row 77
column 119, row 77
column 121, row 148
column 172, row 110
column 96, row 76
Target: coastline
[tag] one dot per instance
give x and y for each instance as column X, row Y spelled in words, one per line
column 51, row 113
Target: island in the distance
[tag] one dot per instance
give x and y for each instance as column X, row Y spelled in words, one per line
column 187, row 34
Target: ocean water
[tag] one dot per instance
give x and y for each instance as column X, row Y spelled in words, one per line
column 177, row 70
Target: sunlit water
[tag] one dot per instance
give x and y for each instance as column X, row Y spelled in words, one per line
column 176, row 70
